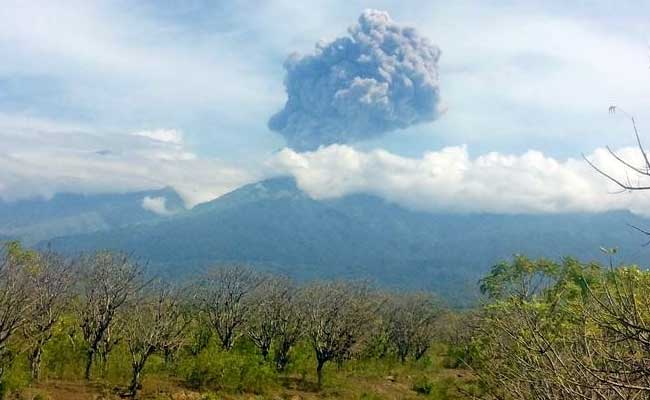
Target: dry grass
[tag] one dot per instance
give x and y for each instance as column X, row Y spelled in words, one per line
column 292, row 388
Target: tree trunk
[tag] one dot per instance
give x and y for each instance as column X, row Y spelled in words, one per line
column 227, row 341
column 281, row 361
column 419, row 353
column 35, row 361
column 89, row 363
column 402, row 356
column 137, row 368
column 169, row 356
column 319, row 372
column 282, row 355
column 135, row 380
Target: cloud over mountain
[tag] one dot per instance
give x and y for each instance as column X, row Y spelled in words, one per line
column 379, row 78
column 450, row 180
column 34, row 163
column 157, row 205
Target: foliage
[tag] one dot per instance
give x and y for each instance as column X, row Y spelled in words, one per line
column 563, row 330
column 99, row 316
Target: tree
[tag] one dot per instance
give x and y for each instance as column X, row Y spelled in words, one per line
column 51, row 282
column 16, row 295
column 636, row 170
column 335, row 316
column 109, row 281
column 411, row 318
column 155, row 323
column 223, row 297
column 581, row 335
column 524, row 334
column 289, row 327
column 274, row 315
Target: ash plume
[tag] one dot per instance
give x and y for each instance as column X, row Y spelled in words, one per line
column 379, row 78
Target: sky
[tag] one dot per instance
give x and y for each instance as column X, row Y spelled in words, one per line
column 118, row 96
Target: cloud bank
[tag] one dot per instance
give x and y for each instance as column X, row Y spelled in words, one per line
column 35, row 163
column 450, row 181
column 380, row 78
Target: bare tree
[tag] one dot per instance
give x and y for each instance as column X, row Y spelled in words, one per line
column 335, row 315
column 222, row 295
column 113, row 335
column 411, row 318
column 635, row 172
column 156, row 322
column 289, row 327
column 52, row 278
column 272, row 306
column 109, row 281
column 16, row 300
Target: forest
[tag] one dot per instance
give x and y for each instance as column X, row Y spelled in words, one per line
column 100, row 325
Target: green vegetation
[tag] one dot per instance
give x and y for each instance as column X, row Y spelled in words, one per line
column 98, row 326
column 563, row 330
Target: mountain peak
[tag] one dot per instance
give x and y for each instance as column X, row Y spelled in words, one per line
column 269, row 189
column 275, row 187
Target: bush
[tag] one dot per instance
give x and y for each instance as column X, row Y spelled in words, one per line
column 16, row 377
column 423, row 386
column 232, row 371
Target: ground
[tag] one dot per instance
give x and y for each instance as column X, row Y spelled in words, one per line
column 443, row 386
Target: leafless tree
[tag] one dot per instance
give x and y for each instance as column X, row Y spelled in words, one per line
column 109, row 281
column 223, row 297
column 152, row 324
column 52, row 278
column 335, row 315
column 289, row 328
column 411, row 318
column 273, row 314
column 635, row 173
column 111, row 338
column 16, row 295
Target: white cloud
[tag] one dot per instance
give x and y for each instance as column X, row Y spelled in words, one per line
column 42, row 157
column 126, row 67
column 162, row 135
column 449, row 180
column 157, row 205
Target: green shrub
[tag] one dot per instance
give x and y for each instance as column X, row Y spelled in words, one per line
column 64, row 355
column 231, row 371
column 423, row 386
column 16, row 376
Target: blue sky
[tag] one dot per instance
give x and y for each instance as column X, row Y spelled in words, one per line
column 79, row 77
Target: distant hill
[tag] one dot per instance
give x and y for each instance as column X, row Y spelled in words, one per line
column 66, row 214
column 273, row 225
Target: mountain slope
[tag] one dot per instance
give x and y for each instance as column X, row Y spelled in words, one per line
column 67, row 214
column 274, row 225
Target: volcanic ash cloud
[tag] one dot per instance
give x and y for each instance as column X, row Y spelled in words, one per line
column 380, row 78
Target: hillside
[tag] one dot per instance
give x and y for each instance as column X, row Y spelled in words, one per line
column 273, row 225
column 64, row 214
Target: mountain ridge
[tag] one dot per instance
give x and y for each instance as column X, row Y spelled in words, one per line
column 273, row 225
column 36, row 219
